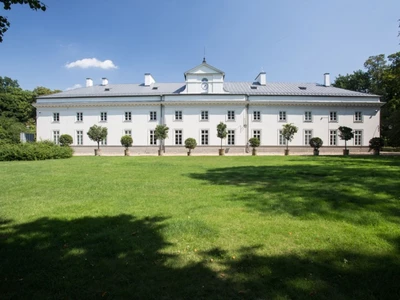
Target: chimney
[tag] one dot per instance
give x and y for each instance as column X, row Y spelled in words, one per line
column 104, row 81
column 327, row 79
column 89, row 82
column 148, row 79
column 261, row 78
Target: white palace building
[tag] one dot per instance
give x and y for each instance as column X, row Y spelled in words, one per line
column 194, row 108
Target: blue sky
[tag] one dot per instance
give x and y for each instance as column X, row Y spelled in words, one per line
column 291, row 40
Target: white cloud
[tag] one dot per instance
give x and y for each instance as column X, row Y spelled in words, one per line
column 75, row 86
column 91, row 63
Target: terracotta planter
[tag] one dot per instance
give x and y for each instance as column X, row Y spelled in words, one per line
column 160, row 153
column 254, row 152
column 286, row 151
column 126, row 152
column 346, row 151
column 97, row 152
column 221, row 152
column 316, row 152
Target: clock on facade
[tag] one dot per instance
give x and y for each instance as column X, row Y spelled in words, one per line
column 204, row 85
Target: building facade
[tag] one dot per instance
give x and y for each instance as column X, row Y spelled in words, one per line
column 195, row 107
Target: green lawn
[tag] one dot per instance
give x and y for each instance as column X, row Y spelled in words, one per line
column 201, row 228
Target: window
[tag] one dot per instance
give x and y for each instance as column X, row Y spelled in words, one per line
column 79, row 137
column 56, row 117
column 333, row 116
column 204, row 137
column 282, row 116
column 128, row 116
column 332, row 137
column 128, row 132
column 231, row 137
column 153, row 116
column 103, row 117
column 204, row 115
column 257, row 134
column 178, row 137
column 104, row 142
column 231, row 115
column 307, row 116
column 256, row 116
column 282, row 140
column 79, row 117
column 56, row 137
column 358, row 116
column 178, row 115
column 358, row 137
column 307, row 137
column 153, row 140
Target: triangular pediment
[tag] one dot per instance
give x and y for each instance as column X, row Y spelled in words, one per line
column 204, row 68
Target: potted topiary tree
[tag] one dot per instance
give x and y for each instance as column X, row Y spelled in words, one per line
column 376, row 144
column 316, row 143
column 346, row 134
column 126, row 141
column 288, row 133
column 161, row 133
column 65, row 140
column 97, row 134
column 190, row 143
column 254, row 143
column 221, row 133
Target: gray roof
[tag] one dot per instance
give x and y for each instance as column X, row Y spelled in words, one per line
column 244, row 88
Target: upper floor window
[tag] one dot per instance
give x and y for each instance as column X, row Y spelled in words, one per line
column 103, row 117
column 128, row 116
column 204, row 115
column 56, row 117
column 153, row 116
column 256, row 116
column 282, row 116
column 79, row 117
column 231, row 115
column 307, row 116
column 333, row 116
column 178, row 115
column 358, row 116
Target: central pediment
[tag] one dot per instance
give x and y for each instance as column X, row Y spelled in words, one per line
column 204, row 68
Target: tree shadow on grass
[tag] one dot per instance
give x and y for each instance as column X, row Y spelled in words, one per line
column 122, row 257
column 347, row 191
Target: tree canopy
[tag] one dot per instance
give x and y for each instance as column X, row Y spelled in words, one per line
column 97, row 134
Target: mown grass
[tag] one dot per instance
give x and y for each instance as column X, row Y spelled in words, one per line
column 200, row 228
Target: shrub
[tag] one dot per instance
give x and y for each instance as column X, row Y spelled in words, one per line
column 65, row 140
column 254, row 142
column 221, row 131
column 376, row 144
column 97, row 134
column 34, row 151
column 316, row 143
column 190, row 143
column 126, row 141
column 161, row 133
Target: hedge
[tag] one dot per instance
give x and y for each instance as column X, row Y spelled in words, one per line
column 34, row 151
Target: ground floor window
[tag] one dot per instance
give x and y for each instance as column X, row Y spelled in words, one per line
column 128, row 132
column 178, row 137
column 231, row 137
column 79, row 137
column 282, row 140
column 56, row 137
column 104, row 142
column 152, row 137
column 332, row 137
column 358, row 137
column 204, row 137
column 307, row 136
column 257, row 134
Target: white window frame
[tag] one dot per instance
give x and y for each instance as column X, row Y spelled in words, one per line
column 281, row 139
column 178, row 116
column 79, row 116
column 307, row 137
column 358, row 117
column 103, row 116
column 152, row 138
column 79, row 137
column 128, row 116
column 333, row 117
column 56, row 137
column 282, row 117
column 333, row 134
column 231, row 137
column 176, row 137
column 56, row 117
column 205, row 133
column 257, row 135
column 308, row 116
column 230, row 116
column 358, row 137
column 256, row 116
column 153, row 116
column 204, row 115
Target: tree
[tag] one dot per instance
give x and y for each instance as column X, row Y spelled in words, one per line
column 5, row 24
column 161, row 133
column 190, row 143
column 254, row 143
column 10, row 130
column 97, row 134
column 376, row 144
column 43, row 91
column 65, row 140
column 346, row 134
column 316, row 143
column 288, row 133
column 221, row 131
